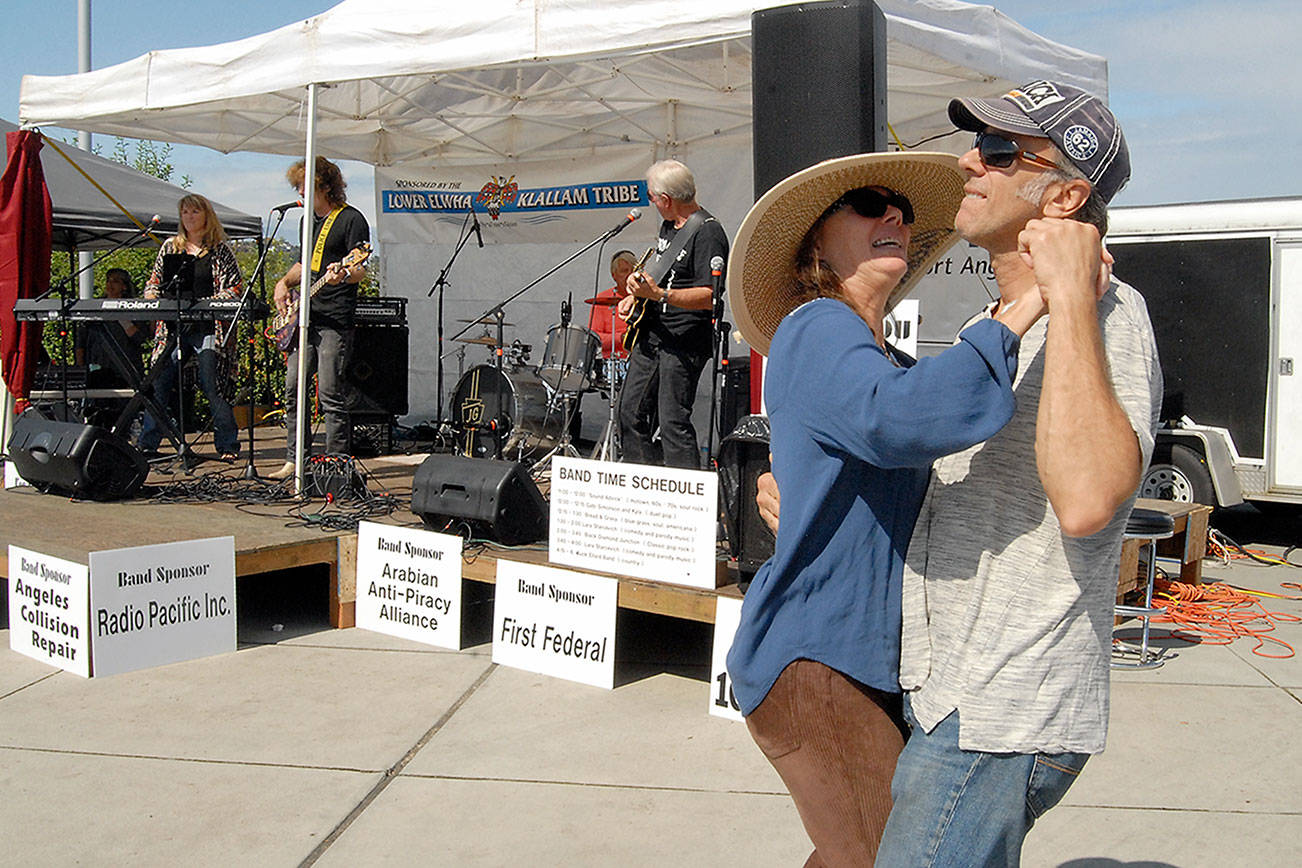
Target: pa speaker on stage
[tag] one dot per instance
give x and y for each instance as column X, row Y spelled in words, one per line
column 377, row 371
column 743, row 457
column 496, row 498
column 830, row 104
column 80, row 460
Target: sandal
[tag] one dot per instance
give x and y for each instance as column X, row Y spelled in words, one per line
column 228, row 456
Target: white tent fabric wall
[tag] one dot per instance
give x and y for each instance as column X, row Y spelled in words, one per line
column 516, row 82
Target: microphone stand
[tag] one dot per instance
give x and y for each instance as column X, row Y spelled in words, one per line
column 441, row 284
column 498, row 309
column 717, row 329
column 246, row 310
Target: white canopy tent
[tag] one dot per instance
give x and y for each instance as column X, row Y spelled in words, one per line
column 412, row 81
column 504, row 84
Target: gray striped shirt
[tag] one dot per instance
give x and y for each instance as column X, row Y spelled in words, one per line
column 1006, row 619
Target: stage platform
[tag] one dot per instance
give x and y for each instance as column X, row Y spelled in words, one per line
column 271, row 537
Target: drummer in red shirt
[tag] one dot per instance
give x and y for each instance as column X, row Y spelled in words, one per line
column 602, row 321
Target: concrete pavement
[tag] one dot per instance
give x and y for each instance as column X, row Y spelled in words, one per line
column 351, row 748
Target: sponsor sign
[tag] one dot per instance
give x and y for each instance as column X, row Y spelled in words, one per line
column 48, row 603
column 157, row 604
column 409, row 584
column 555, row 622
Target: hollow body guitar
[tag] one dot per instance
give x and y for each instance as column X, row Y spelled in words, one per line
column 636, row 320
column 284, row 326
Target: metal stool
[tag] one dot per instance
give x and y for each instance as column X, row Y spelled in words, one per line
column 1148, row 525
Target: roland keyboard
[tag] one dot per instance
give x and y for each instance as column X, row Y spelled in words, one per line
column 118, row 309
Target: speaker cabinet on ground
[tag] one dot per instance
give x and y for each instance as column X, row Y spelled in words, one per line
column 377, row 370
column 496, row 498
column 79, row 460
column 832, row 103
column 743, row 456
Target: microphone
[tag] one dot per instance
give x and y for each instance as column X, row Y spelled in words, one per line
column 154, row 219
column 716, row 280
column 479, row 236
column 281, row 209
column 627, row 219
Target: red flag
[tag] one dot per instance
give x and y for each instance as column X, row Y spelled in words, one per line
column 25, row 228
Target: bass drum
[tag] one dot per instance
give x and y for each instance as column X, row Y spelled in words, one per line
column 511, row 409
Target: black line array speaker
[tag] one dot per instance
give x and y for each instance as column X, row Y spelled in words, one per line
column 496, row 498
column 832, row 102
column 377, row 370
column 75, row 459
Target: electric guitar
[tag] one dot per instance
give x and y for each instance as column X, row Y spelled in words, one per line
column 633, row 324
column 662, row 265
column 284, row 326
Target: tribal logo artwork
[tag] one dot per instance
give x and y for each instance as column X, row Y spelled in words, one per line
column 496, row 193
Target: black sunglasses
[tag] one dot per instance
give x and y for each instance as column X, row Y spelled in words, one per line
column 1000, row 152
column 871, row 202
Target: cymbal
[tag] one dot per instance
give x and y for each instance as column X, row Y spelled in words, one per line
column 606, row 301
column 488, row 320
column 485, row 340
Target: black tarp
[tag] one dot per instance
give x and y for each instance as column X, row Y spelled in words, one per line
column 85, row 219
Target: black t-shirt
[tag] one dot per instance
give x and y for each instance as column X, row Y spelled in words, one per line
column 675, row 326
column 333, row 305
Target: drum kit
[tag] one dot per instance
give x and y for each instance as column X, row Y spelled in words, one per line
column 510, row 409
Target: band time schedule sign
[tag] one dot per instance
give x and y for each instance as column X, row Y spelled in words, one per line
column 654, row 523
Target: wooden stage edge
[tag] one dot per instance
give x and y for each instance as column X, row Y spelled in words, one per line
column 267, row 543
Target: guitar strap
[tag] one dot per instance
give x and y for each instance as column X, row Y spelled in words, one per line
column 664, row 261
column 318, row 252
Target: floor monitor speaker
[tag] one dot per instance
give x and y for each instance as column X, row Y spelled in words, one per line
column 75, row 459
column 497, row 499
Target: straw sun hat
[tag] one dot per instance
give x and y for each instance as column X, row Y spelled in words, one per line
column 761, row 271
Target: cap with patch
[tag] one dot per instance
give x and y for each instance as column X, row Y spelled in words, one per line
column 1079, row 124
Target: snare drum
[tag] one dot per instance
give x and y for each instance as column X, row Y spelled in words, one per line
column 512, row 408
column 568, row 359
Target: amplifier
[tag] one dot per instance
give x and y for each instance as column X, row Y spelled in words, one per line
column 381, row 310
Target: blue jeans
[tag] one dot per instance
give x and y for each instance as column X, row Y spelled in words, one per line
column 226, row 437
column 962, row 808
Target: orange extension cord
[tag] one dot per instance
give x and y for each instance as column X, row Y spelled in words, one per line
column 1217, row 614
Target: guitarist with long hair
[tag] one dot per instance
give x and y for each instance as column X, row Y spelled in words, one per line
column 337, row 228
column 668, row 315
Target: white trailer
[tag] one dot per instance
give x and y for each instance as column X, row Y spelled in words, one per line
column 1223, row 282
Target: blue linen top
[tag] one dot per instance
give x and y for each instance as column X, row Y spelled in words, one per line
column 853, row 438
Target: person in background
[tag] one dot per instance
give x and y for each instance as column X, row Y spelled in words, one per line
column 670, row 320
column 602, row 321
column 214, row 272
column 337, row 228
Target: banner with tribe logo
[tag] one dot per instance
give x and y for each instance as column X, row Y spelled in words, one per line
column 534, row 203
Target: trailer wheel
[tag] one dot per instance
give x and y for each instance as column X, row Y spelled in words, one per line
column 1178, row 473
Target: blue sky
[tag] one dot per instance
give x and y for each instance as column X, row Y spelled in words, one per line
column 1206, row 90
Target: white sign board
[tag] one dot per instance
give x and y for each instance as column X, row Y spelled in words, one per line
column 12, row 479
column 555, row 622
column 49, row 611
column 158, row 604
column 902, row 326
column 727, row 617
column 652, row 522
column 409, row 583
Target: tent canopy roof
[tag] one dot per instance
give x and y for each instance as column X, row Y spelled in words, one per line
column 85, row 219
column 414, row 82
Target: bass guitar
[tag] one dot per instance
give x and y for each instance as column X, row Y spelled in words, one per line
column 284, row 326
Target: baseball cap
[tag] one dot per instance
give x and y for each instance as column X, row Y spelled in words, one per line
column 1078, row 123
